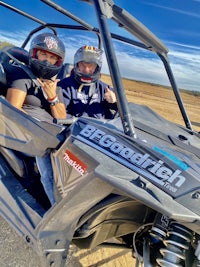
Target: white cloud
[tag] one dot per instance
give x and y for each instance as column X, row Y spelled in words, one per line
column 140, row 68
column 180, row 11
column 12, row 37
column 134, row 64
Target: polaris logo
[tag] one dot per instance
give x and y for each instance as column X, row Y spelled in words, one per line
column 135, row 160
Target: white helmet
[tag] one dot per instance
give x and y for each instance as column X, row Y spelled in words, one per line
column 89, row 54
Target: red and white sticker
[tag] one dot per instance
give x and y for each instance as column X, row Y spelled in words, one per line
column 75, row 162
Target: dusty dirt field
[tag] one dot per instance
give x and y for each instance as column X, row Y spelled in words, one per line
column 15, row 253
column 162, row 100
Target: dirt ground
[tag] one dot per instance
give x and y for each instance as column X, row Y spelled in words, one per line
column 15, row 253
column 162, row 100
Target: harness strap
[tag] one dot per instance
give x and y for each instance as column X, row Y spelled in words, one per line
column 91, row 93
column 24, row 67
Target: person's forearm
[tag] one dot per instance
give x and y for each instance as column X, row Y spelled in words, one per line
column 58, row 111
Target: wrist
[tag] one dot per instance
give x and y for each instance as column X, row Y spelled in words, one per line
column 52, row 98
column 53, row 101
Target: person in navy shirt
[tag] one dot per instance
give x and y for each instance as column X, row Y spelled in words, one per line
column 83, row 91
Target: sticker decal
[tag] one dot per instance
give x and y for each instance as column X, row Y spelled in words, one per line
column 51, row 42
column 177, row 161
column 154, row 169
column 75, row 162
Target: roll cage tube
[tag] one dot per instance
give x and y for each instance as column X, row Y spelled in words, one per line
column 73, row 17
column 150, row 42
column 124, row 112
column 128, row 22
column 25, row 14
column 60, row 26
column 175, row 90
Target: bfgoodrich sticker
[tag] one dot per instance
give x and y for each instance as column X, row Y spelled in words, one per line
column 166, row 177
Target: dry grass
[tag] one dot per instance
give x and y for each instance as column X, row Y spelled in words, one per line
column 161, row 99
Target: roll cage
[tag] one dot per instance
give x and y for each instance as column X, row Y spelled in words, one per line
column 105, row 10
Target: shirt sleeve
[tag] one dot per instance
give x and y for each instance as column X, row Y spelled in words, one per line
column 59, row 93
column 65, row 91
column 20, row 80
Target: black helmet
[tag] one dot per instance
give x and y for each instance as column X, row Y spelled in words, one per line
column 50, row 43
column 89, row 54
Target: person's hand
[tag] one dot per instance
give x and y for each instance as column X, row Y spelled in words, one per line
column 49, row 87
column 110, row 96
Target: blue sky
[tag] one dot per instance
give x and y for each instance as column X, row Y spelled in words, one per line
column 175, row 23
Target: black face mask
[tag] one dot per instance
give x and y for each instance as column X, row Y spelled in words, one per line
column 43, row 69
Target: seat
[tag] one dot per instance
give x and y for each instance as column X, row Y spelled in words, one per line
column 10, row 57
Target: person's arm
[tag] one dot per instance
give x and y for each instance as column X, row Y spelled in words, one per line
column 16, row 97
column 58, row 109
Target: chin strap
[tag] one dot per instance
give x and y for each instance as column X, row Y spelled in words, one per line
column 90, row 94
column 91, row 89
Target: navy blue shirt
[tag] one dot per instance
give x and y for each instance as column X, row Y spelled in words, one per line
column 86, row 100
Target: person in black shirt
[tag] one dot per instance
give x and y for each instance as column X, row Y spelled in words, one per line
column 40, row 97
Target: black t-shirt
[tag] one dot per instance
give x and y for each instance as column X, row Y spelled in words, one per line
column 35, row 104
